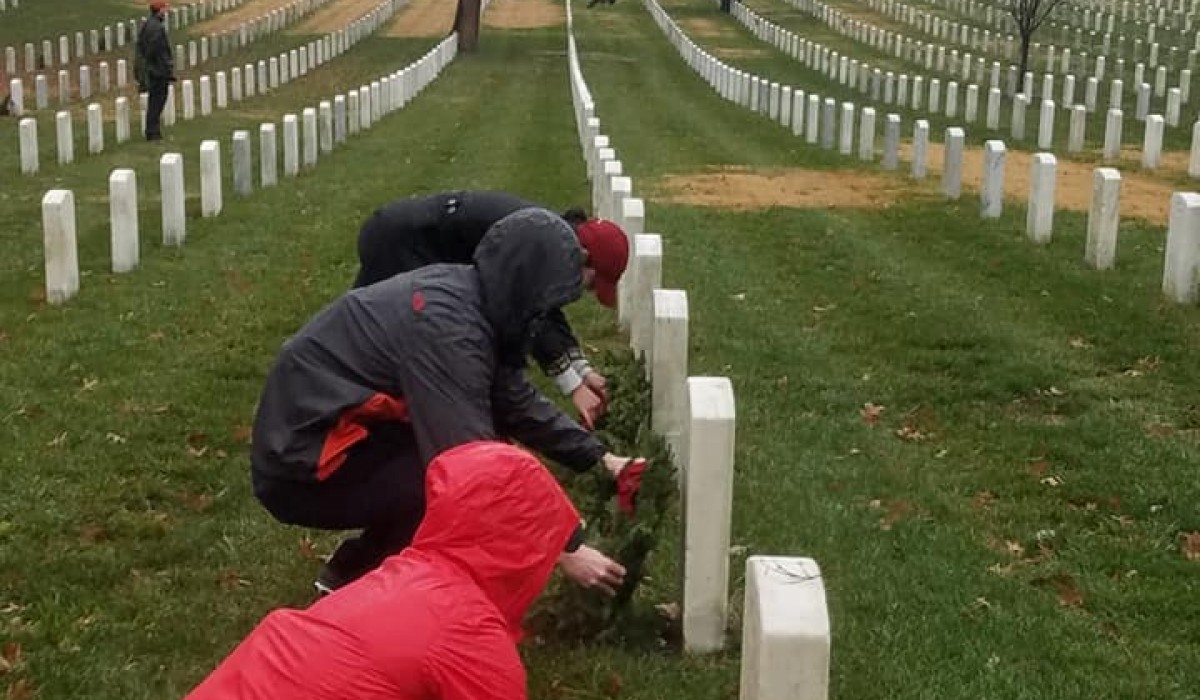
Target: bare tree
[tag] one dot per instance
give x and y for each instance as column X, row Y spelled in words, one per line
column 1029, row 16
column 466, row 23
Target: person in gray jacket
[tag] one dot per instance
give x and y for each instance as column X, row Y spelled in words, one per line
column 390, row 375
column 154, row 66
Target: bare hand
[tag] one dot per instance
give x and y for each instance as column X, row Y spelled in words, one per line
column 614, row 464
column 591, row 569
column 597, row 383
column 589, row 405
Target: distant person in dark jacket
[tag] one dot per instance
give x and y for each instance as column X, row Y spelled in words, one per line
column 154, row 66
column 447, row 227
column 362, row 399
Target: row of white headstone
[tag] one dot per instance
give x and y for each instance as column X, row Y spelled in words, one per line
column 963, row 33
column 110, row 38
column 903, row 48
column 325, row 126
column 9, row 4
column 818, row 120
column 887, row 88
column 786, row 634
column 244, row 85
column 197, row 54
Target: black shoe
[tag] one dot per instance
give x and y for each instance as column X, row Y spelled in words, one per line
column 157, row 137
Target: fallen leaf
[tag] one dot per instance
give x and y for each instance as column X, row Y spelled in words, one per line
column 308, row 549
column 1014, row 548
column 115, row 438
column 1052, row 481
column 197, row 439
column 1055, row 391
column 910, row 434
column 1079, row 342
column 870, row 413
column 1064, row 585
column 58, row 441
column 196, row 454
column 22, row 689
column 89, row 384
column 1160, row 430
column 896, row 509
column 669, row 611
column 1038, row 467
column 231, row 579
column 1149, row 363
column 93, row 532
column 613, row 687
column 241, row 433
column 1191, row 546
column 738, row 297
column 10, row 657
column 198, row 502
column 983, row 500
column 818, row 309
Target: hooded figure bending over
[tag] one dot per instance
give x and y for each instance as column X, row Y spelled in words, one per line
column 391, row 375
column 439, row 621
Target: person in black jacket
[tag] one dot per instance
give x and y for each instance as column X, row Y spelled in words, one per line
column 390, row 375
column 447, row 227
column 154, row 67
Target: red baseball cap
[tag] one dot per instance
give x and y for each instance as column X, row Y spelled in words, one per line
column 607, row 247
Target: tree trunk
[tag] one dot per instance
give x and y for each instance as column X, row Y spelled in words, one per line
column 466, row 23
column 1026, row 39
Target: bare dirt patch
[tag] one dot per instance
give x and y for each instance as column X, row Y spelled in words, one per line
column 524, row 14
column 334, row 16
column 704, row 28
column 230, row 20
column 423, row 18
column 1142, row 196
column 742, row 188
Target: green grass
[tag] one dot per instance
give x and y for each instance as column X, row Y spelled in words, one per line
column 133, row 556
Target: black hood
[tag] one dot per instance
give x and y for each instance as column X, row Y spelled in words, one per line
column 530, row 263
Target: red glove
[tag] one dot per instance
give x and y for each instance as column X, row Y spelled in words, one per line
column 628, row 483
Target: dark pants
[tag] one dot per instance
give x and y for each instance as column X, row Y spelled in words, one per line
column 155, row 103
column 380, row 489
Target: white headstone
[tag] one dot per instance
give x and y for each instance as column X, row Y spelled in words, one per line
column 326, row 126
column 1020, row 103
column 798, row 102
column 29, row 146
column 41, row 91
column 1173, row 105
column 1194, row 158
column 952, row 168
column 669, row 366
column 309, row 117
column 971, row 113
column 235, row 85
column 58, row 239
column 205, row 96
column 846, row 142
column 1183, row 249
column 95, row 124
column 647, row 258
column 786, row 634
column 353, row 121
column 268, row 158
column 828, row 121
column 1152, row 142
column 1112, row 135
column 891, row 142
column 65, row 132
column 1103, row 219
column 920, row 148
column 189, row 100
column 993, row 109
column 291, row 145
column 1078, row 125
column 123, row 214
column 1143, row 101
column 812, row 119
column 707, row 508
column 1039, row 220
column 991, row 195
column 866, row 135
column 243, row 164
column 210, row 179
column 16, row 93
column 1046, row 125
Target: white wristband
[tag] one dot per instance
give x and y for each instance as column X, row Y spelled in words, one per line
column 567, row 381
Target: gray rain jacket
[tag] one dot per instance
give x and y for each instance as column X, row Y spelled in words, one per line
column 440, row 348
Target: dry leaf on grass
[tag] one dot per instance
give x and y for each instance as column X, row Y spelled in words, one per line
column 241, row 434
column 1064, row 585
column 308, row 549
column 1190, row 546
column 871, row 413
column 983, row 500
column 22, row 689
column 1038, row 467
column 1079, row 342
column 10, row 657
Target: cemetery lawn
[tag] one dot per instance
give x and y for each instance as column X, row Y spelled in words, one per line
column 989, row 448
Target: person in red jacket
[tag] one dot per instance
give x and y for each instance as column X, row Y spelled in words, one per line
column 439, row 621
